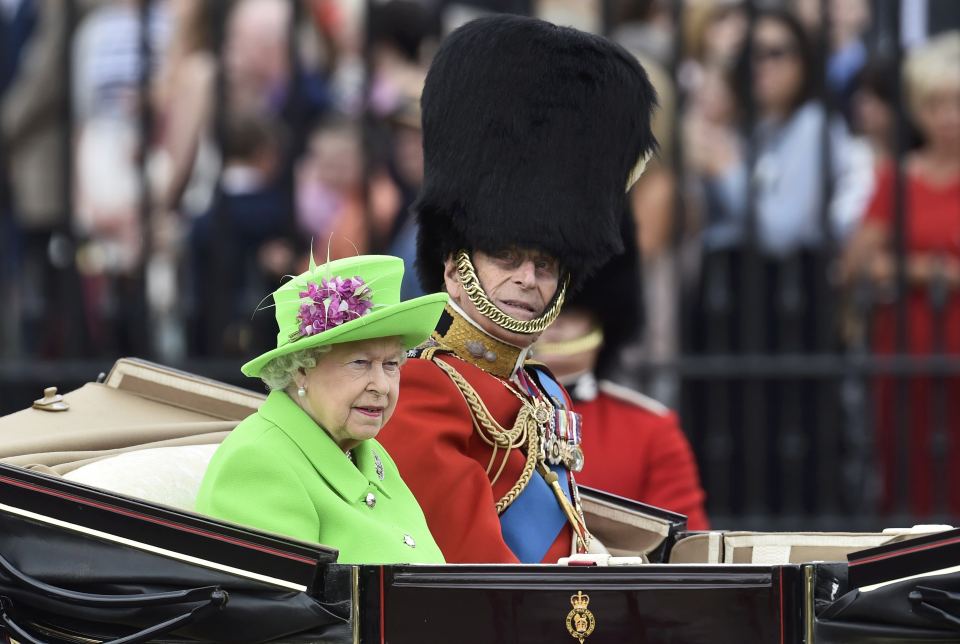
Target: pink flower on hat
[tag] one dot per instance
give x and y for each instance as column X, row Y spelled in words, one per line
column 332, row 303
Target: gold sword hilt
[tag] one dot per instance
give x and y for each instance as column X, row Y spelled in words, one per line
column 578, row 526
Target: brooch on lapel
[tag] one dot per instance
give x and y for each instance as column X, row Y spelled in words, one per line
column 378, row 464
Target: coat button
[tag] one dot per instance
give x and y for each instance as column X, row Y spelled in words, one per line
column 407, row 539
column 371, row 499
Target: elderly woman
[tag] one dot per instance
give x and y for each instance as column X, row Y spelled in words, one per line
column 931, row 201
column 306, row 464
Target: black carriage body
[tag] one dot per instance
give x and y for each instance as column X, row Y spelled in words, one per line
column 654, row 604
column 62, row 544
column 79, row 564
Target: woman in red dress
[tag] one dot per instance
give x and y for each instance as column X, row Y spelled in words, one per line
column 932, row 264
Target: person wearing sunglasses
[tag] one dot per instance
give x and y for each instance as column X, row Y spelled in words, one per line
column 784, row 183
column 778, row 72
column 532, row 135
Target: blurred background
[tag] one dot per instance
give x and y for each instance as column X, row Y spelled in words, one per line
column 164, row 163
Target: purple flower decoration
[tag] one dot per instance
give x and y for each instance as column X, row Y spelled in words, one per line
column 332, row 303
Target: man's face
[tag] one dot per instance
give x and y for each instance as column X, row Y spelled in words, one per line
column 570, row 325
column 520, row 282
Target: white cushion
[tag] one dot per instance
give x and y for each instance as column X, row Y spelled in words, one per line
column 167, row 475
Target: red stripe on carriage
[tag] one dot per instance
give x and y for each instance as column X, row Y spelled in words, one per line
column 170, row 524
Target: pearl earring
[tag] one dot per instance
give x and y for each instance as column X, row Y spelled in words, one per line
column 301, row 391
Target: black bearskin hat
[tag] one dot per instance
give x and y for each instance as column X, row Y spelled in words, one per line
column 614, row 294
column 530, row 132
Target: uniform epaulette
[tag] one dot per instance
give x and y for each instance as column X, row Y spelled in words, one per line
column 634, row 397
column 424, row 350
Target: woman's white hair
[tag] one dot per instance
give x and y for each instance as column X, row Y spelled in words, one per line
column 279, row 372
column 932, row 66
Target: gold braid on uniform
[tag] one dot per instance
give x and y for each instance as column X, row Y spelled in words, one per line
column 471, row 286
column 525, row 430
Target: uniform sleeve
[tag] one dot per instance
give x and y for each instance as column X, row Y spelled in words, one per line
column 249, row 487
column 673, row 481
column 428, row 437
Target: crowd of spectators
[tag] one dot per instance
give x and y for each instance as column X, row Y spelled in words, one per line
column 163, row 163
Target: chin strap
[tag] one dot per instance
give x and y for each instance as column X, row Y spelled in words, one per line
column 471, row 286
column 563, row 348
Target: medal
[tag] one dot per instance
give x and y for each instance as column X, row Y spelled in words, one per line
column 566, row 426
column 558, row 428
column 576, row 463
column 541, row 413
column 554, row 451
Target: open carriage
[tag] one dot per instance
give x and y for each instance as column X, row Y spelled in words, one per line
column 98, row 543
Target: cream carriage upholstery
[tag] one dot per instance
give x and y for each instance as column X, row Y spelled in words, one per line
column 147, row 431
column 167, row 475
column 776, row 548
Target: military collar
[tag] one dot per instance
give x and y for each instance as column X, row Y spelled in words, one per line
column 351, row 482
column 464, row 337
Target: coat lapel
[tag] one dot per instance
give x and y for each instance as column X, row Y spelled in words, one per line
column 350, row 481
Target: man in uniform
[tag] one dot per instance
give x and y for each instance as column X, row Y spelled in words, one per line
column 633, row 445
column 532, row 134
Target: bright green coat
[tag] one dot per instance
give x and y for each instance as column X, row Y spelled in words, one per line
column 279, row 471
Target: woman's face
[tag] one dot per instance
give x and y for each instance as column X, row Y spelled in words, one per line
column 571, row 325
column 408, row 152
column 777, row 67
column 715, row 100
column 353, row 390
column 938, row 116
column 724, row 35
column 874, row 117
column 256, row 52
column 338, row 159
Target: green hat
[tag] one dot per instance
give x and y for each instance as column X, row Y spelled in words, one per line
column 357, row 298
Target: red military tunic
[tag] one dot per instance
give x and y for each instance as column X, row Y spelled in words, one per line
column 443, row 460
column 633, row 447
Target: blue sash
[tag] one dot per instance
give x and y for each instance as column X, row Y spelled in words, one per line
column 534, row 520
column 552, row 388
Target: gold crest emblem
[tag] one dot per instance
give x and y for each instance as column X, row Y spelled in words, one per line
column 580, row 621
